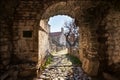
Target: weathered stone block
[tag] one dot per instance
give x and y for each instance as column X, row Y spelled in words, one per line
column 30, row 23
column 90, row 67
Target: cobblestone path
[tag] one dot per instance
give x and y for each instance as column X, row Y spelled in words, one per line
column 62, row 68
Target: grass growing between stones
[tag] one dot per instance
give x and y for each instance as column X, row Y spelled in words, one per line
column 74, row 59
column 47, row 62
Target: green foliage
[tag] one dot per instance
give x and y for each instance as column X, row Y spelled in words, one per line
column 74, row 59
column 47, row 62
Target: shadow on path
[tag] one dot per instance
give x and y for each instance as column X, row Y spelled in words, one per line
column 63, row 67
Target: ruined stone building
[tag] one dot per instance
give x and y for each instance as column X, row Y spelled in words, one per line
column 24, row 36
column 58, row 40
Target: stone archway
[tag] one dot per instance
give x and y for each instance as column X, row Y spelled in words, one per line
column 52, row 10
column 99, row 40
column 27, row 20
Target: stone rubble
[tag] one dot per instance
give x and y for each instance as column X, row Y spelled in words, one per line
column 61, row 68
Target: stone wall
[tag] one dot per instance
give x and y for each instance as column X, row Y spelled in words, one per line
column 20, row 29
column 7, row 10
column 113, row 37
column 113, row 27
column 99, row 47
column 5, row 46
column 19, row 26
column 24, row 40
column 43, row 42
column 88, row 50
column 25, row 30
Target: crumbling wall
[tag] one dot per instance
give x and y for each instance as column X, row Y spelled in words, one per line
column 103, row 30
column 112, row 26
column 88, row 50
column 19, row 26
column 113, row 41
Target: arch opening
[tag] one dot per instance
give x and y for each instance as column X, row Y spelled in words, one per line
column 53, row 26
column 99, row 34
column 59, row 42
column 70, row 11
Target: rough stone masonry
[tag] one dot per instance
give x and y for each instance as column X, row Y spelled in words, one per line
column 24, row 35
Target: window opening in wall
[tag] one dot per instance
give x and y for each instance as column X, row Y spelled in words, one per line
column 27, row 34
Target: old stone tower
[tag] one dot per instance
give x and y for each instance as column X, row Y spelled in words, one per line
column 24, row 36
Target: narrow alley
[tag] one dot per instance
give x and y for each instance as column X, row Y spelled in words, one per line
column 63, row 67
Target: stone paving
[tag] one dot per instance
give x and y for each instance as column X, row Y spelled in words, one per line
column 61, row 68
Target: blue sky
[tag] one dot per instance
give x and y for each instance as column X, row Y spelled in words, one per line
column 57, row 22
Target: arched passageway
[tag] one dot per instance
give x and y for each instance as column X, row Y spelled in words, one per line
column 99, row 33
